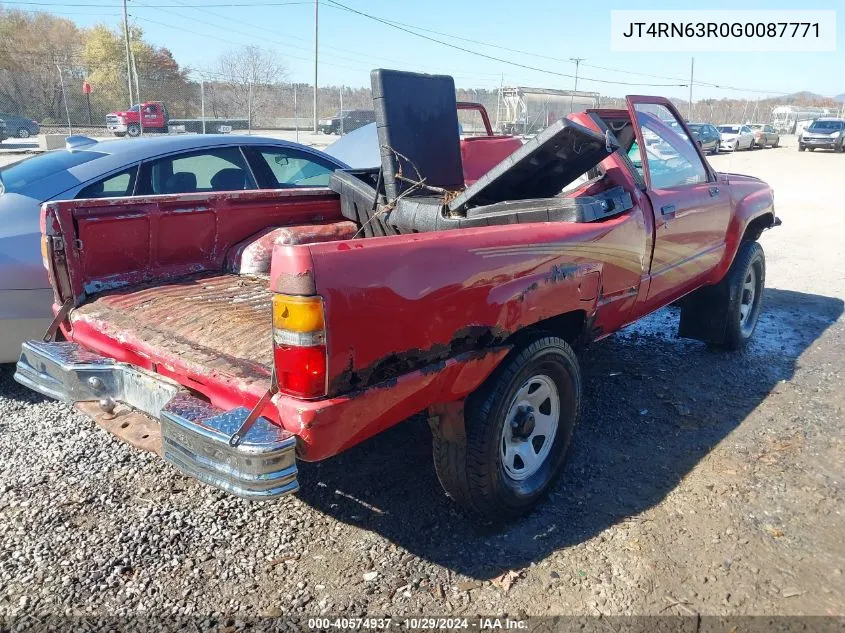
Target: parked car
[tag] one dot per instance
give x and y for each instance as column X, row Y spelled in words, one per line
column 347, row 121
column 826, row 133
column 121, row 168
column 19, row 126
column 3, row 135
column 706, row 135
column 764, row 135
column 240, row 375
column 735, row 136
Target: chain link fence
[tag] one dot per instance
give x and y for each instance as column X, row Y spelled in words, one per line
column 62, row 96
column 69, row 103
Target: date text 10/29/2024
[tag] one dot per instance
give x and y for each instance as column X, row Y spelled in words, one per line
column 418, row 623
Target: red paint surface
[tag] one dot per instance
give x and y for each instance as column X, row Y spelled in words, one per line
column 153, row 115
column 129, row 241
column 481, row 153
column 408, row 296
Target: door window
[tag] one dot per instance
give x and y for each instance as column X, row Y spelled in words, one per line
column 214, row 169
column 114, row 186
column 293, row 168
column 671, row 157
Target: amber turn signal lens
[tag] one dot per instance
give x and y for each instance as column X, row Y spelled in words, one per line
column 44, row 250
column 298, row 314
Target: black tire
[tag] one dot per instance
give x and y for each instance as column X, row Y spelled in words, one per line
column 811, row 148
column 776, row 143
column 749, row 261
column 133, row 130
column 801, row 148
column 23, row 132
column 120, row 134
column 473, row 472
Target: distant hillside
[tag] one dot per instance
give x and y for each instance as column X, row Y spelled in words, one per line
column 840, row 98
column 804, row 95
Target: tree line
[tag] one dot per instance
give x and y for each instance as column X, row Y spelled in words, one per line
column 41, row 54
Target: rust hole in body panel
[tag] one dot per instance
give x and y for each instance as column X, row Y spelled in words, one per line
column 390, row 367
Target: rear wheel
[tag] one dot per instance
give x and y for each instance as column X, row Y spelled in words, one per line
column 519, row 426
column 776, row 143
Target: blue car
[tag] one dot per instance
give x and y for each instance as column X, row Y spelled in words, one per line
column 19, row 126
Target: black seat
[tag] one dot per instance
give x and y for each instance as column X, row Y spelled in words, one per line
column 229, row 179
column 181, row 182
column 416, row 118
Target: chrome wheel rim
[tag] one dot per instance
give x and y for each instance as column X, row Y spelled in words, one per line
column 746, row 306
column 530, row 427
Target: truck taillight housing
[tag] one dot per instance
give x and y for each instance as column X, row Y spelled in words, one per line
column 299, row 345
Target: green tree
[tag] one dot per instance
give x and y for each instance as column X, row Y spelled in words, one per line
column 33, row 49
column 159, row 76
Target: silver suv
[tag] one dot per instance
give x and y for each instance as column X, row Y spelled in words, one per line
column 827, row 133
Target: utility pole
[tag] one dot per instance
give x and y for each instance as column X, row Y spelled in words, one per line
column 316, row 37
column 138, row 94
column 64, row 98
column 249, row 106
column 202, row 103
column 691, row 71
column 499, row 100
column 577, row 61
column 128, row 61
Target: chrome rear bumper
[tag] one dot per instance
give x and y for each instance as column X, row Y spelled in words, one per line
column 195, row 434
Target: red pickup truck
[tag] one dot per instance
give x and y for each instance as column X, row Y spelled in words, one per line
column 237, row 333
column 129, row 122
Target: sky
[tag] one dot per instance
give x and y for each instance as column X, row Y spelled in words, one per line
column 546, row 32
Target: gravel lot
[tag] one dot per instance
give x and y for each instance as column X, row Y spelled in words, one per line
column 699, row 482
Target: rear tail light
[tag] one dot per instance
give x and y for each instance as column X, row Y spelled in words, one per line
column 45, row 252
column 299, row 345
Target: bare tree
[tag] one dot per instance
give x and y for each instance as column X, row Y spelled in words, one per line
column 244, row 74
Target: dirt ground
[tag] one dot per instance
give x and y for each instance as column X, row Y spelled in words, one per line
column 699, row 482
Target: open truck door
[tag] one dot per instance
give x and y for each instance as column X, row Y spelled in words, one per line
column 692, row 207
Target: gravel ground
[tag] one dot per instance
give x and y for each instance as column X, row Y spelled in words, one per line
column 699, row 482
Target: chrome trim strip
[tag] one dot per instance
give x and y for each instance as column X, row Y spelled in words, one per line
column 195, row 434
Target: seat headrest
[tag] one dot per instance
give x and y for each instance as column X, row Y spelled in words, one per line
column 230, row 179
column 181, row 182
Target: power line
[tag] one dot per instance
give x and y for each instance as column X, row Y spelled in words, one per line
column 365, row 62
column 234, row 43
column 408, row 28
column 491, row 57
column 157, row 6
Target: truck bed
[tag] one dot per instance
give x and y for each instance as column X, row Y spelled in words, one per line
column 217, row 322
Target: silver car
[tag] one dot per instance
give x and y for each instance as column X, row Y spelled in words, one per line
column 107, row 169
